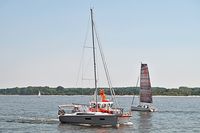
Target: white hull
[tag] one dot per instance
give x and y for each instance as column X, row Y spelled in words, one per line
column 143, row 109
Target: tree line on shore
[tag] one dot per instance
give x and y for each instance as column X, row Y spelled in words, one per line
column 181, row 91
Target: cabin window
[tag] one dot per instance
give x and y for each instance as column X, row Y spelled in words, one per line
column 102, row 119
column 93, row 105
column 110, row 104
column 99, row 106
column 103, row 105
column 87, row 118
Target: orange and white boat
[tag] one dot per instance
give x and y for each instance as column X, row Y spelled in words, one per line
column 106, row 106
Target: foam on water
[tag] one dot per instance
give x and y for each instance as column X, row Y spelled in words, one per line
column 34, row 120
column 128, row 123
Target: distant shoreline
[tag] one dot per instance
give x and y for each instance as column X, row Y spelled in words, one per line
column 119, row 91
column 90, row 95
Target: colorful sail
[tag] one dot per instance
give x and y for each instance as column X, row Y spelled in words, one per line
column 145, row 85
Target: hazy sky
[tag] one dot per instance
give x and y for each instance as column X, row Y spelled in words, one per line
column 41, row 41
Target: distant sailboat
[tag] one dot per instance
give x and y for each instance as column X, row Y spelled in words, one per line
column 39, row 94
column 146, row 101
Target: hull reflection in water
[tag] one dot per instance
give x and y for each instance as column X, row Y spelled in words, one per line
column 145, row 122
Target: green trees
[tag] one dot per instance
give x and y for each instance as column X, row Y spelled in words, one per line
column 30, row 90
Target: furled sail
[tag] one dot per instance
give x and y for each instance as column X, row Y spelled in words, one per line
column 145, row 85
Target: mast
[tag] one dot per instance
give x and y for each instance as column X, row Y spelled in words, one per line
column 140, row 83
column 94, row 59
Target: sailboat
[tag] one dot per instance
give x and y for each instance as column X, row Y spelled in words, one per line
column 39, row 94
column 146, row 100
column 102, row 112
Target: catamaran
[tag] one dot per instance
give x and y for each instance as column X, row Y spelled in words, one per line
column 146, row 100
column 96, row 113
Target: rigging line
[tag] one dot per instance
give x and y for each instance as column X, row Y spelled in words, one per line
column 105, row 67
column 82, row 56
column 103, row 58
column 86, row 65
column 83, row 51
column 86, row 70
column 136, row 87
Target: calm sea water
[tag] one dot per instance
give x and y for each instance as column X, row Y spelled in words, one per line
column 34, row 114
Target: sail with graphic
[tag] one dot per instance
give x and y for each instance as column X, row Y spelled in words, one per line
column 146, row 101
column 145, row 85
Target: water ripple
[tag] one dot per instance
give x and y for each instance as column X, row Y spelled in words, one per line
column 34, row 120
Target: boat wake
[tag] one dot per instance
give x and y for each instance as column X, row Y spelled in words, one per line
column 34, row 120
column 128, row 123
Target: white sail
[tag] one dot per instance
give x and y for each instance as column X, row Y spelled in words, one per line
column 39, row 94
